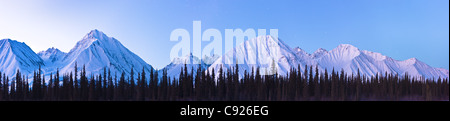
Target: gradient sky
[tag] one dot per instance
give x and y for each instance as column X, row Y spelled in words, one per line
column 400, row 29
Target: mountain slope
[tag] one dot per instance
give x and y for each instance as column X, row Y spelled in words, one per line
column 278, row 56
column 96, row 51
column 51, row 56
column 268, row 53
column 17, row 55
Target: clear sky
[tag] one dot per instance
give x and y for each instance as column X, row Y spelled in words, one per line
column 400, row 29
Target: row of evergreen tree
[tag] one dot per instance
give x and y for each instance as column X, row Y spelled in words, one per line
column 298, row 85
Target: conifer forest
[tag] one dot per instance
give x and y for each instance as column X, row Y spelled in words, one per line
column 298, row 85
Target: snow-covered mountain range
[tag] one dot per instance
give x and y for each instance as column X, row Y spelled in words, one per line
column 96, row 51
column 277, row 57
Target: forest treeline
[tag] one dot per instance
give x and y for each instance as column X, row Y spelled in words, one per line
column 298, row 85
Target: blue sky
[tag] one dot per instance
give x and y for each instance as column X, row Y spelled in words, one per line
column 400, row 29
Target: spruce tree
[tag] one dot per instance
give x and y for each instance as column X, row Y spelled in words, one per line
column 132, row 85
column 316, row 84
column 306, row 84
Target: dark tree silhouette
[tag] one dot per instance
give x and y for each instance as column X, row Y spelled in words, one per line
column 227, row 85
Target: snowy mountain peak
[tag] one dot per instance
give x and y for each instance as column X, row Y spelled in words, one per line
column 50, row 50
column 96, row 50
column 51, row 55
column 319, row 53
column 208, row 60
column 6, row 43
column 345, row 52
column 11, row 42
column 320, row 50
column 95, row 34
column 91, row 37
column 346, row 46
column 299, row 50
column 411, row 61
column 5, row 40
